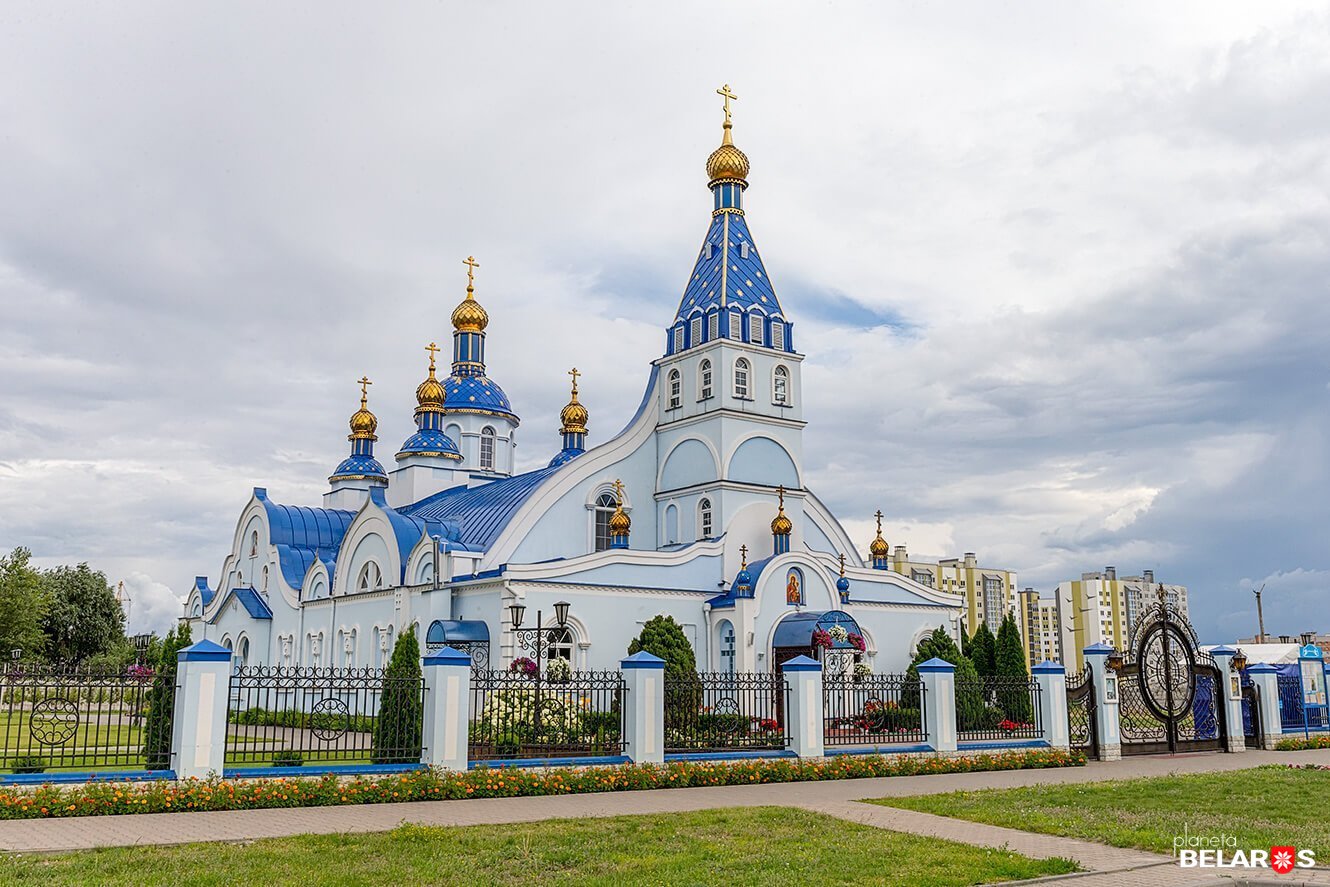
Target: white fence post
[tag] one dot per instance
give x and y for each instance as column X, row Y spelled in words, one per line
column 1053, row 714
column 198, row 727
column 644, row 708
column 1265, row 678
column 1105, row 701
column 939, row 703
column 1229, row 695
column 445, row 733
column 805, row 717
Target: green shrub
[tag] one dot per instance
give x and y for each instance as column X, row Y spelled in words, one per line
column 161, row 702
column 662, row 636
column 288, row 759
column 29, row 764
column 398, row 729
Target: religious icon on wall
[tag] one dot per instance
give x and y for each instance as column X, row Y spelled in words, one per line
column 793, row 593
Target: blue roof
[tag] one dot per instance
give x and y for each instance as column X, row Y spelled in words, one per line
column 796, row 630
column 565, row 455
column 746, row 282
column 480, row 513
column 428, row 440
column 359, row 466
column 251, row 600
column 475, row 393
column 459, row 630
column 301, row 534
column 206, row 593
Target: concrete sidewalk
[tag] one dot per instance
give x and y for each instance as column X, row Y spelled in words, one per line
column 32, row 836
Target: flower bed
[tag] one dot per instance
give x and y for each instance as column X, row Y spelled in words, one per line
column 100, row 799
column 1301, row 743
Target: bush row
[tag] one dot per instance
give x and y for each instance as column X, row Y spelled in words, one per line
column 99, row 799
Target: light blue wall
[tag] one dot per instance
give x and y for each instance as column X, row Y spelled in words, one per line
column 760, row 460
column 687, row 464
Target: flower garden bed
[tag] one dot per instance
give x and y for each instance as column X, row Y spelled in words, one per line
column 101, row 799
column 1302, row 743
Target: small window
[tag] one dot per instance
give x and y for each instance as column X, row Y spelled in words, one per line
column 713, row 326
column 780, row 386
column 736, row 326
column 704, row 385
column 265, row 580
column 676, row 390
column 709, row 249
column 695, row 330
column 370, row 577
column 678, row 338
column 254, row 545
column 741, row 380
column 778, row 334
column 561, row 645
column 755, row 329
column 487, row 448
column 704, row 519
column 743, row 249
column 605, row 506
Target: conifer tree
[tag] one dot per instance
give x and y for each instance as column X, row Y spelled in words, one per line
column 397, row 730
column 1013, row 699
column 662, row 636
column 161, row 701
column 983, row 651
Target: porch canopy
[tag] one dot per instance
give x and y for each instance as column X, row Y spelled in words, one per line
column 445, row 632
column 796, row 629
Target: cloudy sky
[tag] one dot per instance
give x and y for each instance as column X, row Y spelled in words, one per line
column 1060, row 272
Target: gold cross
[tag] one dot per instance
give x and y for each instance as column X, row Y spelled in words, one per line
column 471, row 266
column 743, row 552
column 618, row 491
column 432, row 349
column 842, row 565
column 725, row 91
column 364, row 385
column 780, row 491
column 879, row 521
column 574, row 373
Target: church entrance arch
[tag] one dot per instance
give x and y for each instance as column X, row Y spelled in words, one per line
column 830, row 636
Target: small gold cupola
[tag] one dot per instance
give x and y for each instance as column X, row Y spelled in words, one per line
column 363, row 422
column 470, row 316
column 429, row 394
column 574, row 416
column 878, row 549
column 781, row 526
column 620, row 522
column 727, row 163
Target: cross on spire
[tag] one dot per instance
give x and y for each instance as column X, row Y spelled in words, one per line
column 842, row 564
column 432, row 349
column 729, row 97
column 471, row 266
column 364, row 386
column 743, row 554
column 780, row 493
column 574, row 373
column 879, row 521
column 618, row 492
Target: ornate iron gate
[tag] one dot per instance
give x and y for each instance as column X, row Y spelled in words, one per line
column 1170, row 693
column 1251, row 716
column 1081, row 712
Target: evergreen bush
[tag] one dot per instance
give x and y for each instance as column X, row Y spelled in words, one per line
column 662, row 636
column 983, row 651
column 397, row 732
column 970, row 707
column 1013, row 697
column 161, row 702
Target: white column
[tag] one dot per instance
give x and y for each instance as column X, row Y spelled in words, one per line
column 1265, row 678
column 447, row 718
column 804, row 718
column 644, row 708
column 198, row 728
column 1053, row 715
column 938, row 705
column 1229, row 695
column 1105, row 701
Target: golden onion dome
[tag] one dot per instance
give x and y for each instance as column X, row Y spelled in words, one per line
column 430, row 393
column 574, row 416
column 620, row 522
column 363, row 422
column 727, row 162
column 780, row 524
column 469, row 316
column 879, row 548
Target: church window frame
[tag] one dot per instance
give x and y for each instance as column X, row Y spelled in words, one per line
column 705, row 380
column 743, row 375
column 370, row 577
column 254, row 544
column 705, row 516
column 756, row 328
column 695, row 330
column 780, row 385
column 736, row 326
column 264, row 580
column 675, row 383
column 778, row 334
column 678, row 337
column 562, row 644
column 713, row 326
column 488, row 441
column 601, row 514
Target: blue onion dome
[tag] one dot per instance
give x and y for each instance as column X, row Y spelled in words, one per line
column 429, row 439
column 361, row 464
column 479, row 394
column 843, row 585
column 744, row 579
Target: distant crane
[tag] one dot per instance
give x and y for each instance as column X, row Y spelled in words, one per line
column 1260, row 614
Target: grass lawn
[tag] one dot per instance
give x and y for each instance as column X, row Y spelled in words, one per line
column 1262, row 807
column 758, row 846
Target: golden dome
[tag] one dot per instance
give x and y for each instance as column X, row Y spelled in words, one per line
column 780, row 524
column 363, row 422
column 469, row 316
column 574, row 416
column 430, row 394
column 879, row 548
column 727, row 161
column 620, row 523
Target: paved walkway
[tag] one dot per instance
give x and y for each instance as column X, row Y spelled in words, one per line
column 1105, row 865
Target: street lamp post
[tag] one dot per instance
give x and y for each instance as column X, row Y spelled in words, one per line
column 539, row 639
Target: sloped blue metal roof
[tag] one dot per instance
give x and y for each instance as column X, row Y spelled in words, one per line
column 475, row 393
column 480, row 513
column 206, row 593
column 300, row 532
column 746, row 282
column 251, row 600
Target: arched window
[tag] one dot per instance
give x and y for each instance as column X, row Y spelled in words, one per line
column 243, row 652
column 318, row 590
column 265, row 580
column 370, row 577
column 487, row 448
column 198, row 609
column 704, row 519
column 605, row 506
column 254, row 544
column 726, row 646
column 349, row 648
column 780, row 386
column 676, row 390
column 561, row 645
column 742, row 373
column 671, row 524
column 425, row 573
column 377, row 638
column 704, row 380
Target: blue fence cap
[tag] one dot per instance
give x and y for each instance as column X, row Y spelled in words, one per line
column 935, row 664
column 642, row 659
column 204, row 651
column 1262, row 668
column 1048, row 666
column 802, row 663
column 1223, row 650
column 448, row 656
column 1097, row 650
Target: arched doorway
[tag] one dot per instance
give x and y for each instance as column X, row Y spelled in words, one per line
column 831, row 636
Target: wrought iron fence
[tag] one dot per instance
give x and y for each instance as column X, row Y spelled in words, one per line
column 288, row 716
column 725, row 710
column 872, row 710
column 516, row 715
column 66, row 717
column 998, row 707
column 1081, row 710
column 1291, row 707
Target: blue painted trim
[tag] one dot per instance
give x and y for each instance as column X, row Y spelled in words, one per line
column 319, row 770
column 642, row 659
column 802, row 663
column 880, row 750
column 65, row 778
column 550, row 762
column 978, row 745
column 204, row 651
column 730, row 755
column 935, row 664
column 1049, row 667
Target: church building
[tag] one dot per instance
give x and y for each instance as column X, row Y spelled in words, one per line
column 698, row 509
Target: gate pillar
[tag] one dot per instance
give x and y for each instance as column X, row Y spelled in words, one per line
column 445, row 733
column 198, row 725
column 805, row 719
column 1052, row 678
column 938, row 705
column 1266, row 680
column 644, row 708
column 1105, row 701
column 1229, row 694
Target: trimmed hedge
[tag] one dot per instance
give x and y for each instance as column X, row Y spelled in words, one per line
column 101, row 799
